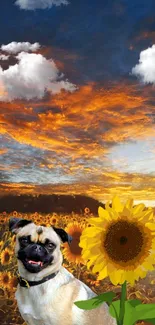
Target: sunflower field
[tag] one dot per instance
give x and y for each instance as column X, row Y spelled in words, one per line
column 74, row 224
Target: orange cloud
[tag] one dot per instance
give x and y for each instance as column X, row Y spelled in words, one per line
column 3, row 151
column 81, row 128
column 86, row 124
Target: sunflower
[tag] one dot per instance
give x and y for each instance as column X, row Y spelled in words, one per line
column 87, row 210
column 54, row 214
column 15, row 214
column 74, row 219
column 38, row 220
column 66, row 217
column 1, row 244
column 48, row 217
column 72, row 252
column 5, row 219
column 13, row 240
column 121, row 242
column 54, row 220
column 5, row 279
column 2, row 221
column 68, row 267
column 6, row 256
column 13, row 282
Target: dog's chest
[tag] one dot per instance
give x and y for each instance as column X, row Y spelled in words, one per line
column 34, row 306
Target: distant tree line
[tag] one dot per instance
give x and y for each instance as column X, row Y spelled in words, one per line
column 49, row 203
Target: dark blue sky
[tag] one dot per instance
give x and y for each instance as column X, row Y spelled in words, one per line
column 100, row 33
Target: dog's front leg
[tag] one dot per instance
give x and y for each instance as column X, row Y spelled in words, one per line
column 32, row 321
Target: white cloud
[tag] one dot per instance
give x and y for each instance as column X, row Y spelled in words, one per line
column 31, row 77
column 39, row 4
column 16, row 47
column 145, row 69
column 4, row 57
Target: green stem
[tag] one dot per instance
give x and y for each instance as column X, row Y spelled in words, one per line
column 117, row 318
column 122, row 304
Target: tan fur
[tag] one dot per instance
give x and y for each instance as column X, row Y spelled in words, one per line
column 71, row 293
column 52, row 303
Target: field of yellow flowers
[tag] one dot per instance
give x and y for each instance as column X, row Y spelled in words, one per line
column 74, row 225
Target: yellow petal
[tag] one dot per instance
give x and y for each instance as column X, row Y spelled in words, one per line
column 150, row 225
column 131, row 277
column 103, row 214
column 148, row 266
column 83, row 241
column 84, row 238
column 91, row 244
column 116, row 277
column 103, row 274
column 91, row 231
column 140, row 272
column 100, row 258
column 93, row 251
column 107, row 206
column 96, row 222
column 129, row 204
column 149, row 214
column 98, row 267
column 86, row 255
column 153, row 244
column 138, row 208
column 146, row 216
column 111, row 267
column 116, row 204
column 126, row 212
column 114, row 215
column 91, row 262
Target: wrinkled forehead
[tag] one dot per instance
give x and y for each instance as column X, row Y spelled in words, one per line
column 39, row 233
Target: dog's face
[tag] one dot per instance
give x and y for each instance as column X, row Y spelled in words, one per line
column 37, row 247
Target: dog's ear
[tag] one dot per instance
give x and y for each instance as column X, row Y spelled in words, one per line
column 63, row 235
column 16, row 223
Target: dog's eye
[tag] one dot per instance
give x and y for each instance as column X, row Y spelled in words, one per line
column 24, row 240
column 51, row 245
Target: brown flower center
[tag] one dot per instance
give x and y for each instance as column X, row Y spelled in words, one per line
column 5, row 278
column 74, row 246
column 124, row 241
column 6, row 257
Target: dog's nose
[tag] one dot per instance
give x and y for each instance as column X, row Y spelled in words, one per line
column 37, row 248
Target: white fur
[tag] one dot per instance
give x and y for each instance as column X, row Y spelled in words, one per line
column 52, row 302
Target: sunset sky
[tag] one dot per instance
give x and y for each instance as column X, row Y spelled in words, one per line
column 77, row 98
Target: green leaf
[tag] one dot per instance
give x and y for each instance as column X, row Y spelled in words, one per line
column 114, row 308
column 145, row 311
column 134, row 302
column 96, row 301
column 151, row 321
column 130, row 314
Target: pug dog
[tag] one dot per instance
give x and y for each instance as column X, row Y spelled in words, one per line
column 46, row 291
